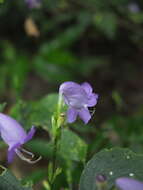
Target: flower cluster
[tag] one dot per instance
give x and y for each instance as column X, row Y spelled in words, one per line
column 77, row 97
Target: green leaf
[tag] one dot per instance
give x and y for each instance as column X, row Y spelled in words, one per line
column 18, row 72
column 54, row 64
column 36, row 113
column 14, row 70
column 43, row 110
column 72, row 147
column 91, row 63
column 35, row 176
column 41, row 147
column 2, row 106
column 57, row 172
column 107, row 23
column 9, row 182
column 112, row 163
column 136, row 17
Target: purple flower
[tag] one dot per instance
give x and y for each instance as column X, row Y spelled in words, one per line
column 125, row 183
column 78, row 98
column 33, row 3
column 134, row 7
column 14, row 135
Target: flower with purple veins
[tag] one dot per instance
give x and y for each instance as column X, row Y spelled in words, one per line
column 14, row 135
column 78, row 98
column 125, row 183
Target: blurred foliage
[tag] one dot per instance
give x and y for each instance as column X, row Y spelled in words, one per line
column 9, row 182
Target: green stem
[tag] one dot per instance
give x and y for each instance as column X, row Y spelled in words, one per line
column 54, row 161
column 59, row 105
column 56, row 125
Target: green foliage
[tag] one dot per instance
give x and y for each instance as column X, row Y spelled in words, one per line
column 72, row 147
column 54, row 60
column 126, row 130
column 48, row 66
column 13, row 70
column 2, row 106
column 36, row 113
column 35, row 176
column 9, row 182
column 41, row 147
column 43, row 110
column 113, row 163
column 107, row 23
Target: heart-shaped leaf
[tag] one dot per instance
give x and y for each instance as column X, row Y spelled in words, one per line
column 113, row 163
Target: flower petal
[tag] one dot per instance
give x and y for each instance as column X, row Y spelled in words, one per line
column 125, row 183
column 74, row 95
column 66, row 86
column 33, row 3
column 30, row 134
column 84, row 114
column 71, row 115
column 88, row 89
column 11, row 131
column 92, row 101
column 11, row 152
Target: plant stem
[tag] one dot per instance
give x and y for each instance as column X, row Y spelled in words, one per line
column 55, row 147
column 56, row 125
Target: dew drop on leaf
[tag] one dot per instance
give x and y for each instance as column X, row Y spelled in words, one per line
column 131, row 174
column 110, row 173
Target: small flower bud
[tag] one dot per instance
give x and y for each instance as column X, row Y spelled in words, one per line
column 101, row 182
column 61, row 119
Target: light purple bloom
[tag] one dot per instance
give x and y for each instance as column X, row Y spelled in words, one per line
column 33, row 3
column 14, row 135
column 78, row 98
column 134, row 7
column 125, row 183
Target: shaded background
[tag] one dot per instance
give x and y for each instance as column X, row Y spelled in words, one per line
column 97, row 41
